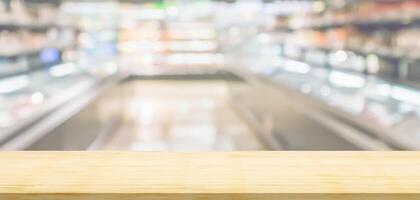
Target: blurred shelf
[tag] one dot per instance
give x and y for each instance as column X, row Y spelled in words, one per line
column 394, row 57
column 365, row 24
column 32, row 26
column 29, row 53
column 32, row 51
column 386, row 52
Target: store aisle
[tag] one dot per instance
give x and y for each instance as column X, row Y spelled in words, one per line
column 180, row 116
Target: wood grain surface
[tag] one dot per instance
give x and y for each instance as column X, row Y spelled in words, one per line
column 209, row 175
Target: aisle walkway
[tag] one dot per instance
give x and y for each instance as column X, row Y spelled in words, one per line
column 180, row 116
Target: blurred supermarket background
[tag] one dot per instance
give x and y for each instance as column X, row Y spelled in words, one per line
column 204, row 75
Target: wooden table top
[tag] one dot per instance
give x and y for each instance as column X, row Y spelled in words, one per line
column 209, row 175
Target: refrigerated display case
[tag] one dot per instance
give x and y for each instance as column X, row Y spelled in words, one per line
column 390, row 111
column 325, row 61
column 26, row 99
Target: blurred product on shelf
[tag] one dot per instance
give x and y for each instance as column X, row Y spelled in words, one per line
column 366, row 14
column 32, row 38
column 371, row 37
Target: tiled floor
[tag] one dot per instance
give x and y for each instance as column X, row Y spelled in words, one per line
column 180, row 116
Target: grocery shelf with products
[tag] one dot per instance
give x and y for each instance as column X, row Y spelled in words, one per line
column 371, row 37
column 362, row 70
column 165, row 38
column 32, row 39
column 44, row 64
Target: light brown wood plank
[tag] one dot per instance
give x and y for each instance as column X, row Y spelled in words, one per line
column 209, row 175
